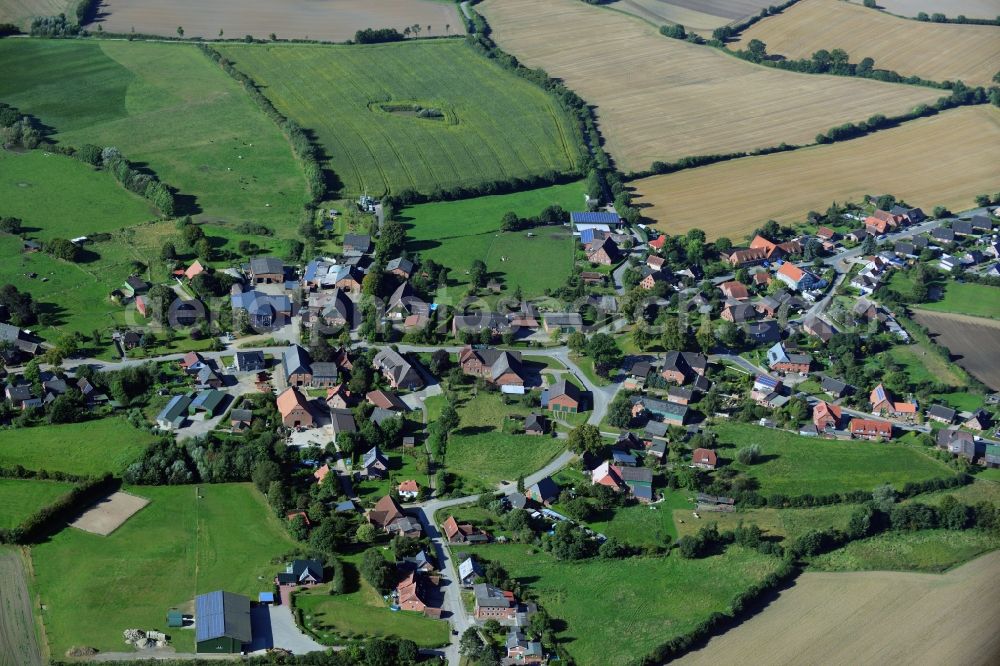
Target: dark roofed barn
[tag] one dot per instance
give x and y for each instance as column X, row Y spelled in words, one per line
column 222, row 622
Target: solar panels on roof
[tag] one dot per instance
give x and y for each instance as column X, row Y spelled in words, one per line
column 595, row 218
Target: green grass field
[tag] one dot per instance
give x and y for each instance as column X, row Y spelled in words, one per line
column 456, row 233
column 363, row 612
column 19, row 498
column 781, row 523
column 91, row 447
column 617, row 611
column 641, row 524
column 58, row 196
column 496, row 126
column 167, row 106
column 968, row 298
column 795, row 465
column 178, row 546
column 931, row 551
column 923, row 366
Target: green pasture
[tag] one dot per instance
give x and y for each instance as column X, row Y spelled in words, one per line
column 495, row 126
column 94, row 587
column 968, row 298
column 617, row 611
column 20, row 498
column 88, row 448
column 794, row 465
column 456, row 233
column 165, row 106
column 931, row 551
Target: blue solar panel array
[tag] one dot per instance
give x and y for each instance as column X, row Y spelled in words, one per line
column 595, row 218
column 210, row 619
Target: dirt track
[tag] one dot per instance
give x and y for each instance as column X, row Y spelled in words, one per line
column 974, row 340
column 876, row 617
column 18, row 639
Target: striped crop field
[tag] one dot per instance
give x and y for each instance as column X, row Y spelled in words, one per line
column 980, row 9
column 935, row 51
column 658, row 98
column 945, row 160
column 480, row 123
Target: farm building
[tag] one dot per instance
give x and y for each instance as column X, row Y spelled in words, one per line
column 222, row 623
column 173, row 415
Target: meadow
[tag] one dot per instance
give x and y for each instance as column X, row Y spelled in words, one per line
column 362, row 611
column 930, row 551
column 20, row 12
column 167, row 107
column 455, row 233
column 780, row 523
column 972, row 341
column 178, row 546
column 922, row 365
column 934, row 51
column 20, row 498
column 679, row 99
column 297, row 19
column 88, row 448
column 884, row 617
column 634, row 604
column 941, row 160
column 794, row 465
column 967, row 298
column 361, row 102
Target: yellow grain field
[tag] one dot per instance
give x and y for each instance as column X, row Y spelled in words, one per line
column 935, row 51
column 871, row 617
column 663, row 99
column 945, row 159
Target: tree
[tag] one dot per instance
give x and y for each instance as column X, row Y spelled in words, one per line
column 620, row 411
column 705, row 336
column 264, row 473
column 585, row 438
column 757, row 50
column 379, row 573
column 510, row 221
column 470, row 644
column 748, row 455
column 884, row 497
column 449, row 418
column 168, row 252
column 180, row 31
column 10, row 225
column 577, row 342
column 478, row 274
column 604, row 350
column 613, row 549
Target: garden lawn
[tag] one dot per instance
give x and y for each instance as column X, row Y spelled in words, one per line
column 794, row 465
column 964, row 401
column 642, row 524
column 781, row 523
column 923, row 366
column 94, row 587
column 362, row 611
column 20, row 498
column 617, row 611
column 928, row 550
column 456, row 233
column 361, row 103
column 488, row 458
column 169, row 107
column 88, row 448
column 402, row 467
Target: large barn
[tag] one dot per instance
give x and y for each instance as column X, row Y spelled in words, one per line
column 222, row 622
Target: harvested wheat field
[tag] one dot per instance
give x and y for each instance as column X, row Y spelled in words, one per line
column 872, row 617
column 698, row 15
column 983, row 9
column 945, row 159
column 664, row 99
column 327, row 20
column 935, row 51
column 973, row 341
column 19, row 644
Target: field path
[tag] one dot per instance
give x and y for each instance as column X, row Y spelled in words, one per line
column 872, row 617
column 19, row 645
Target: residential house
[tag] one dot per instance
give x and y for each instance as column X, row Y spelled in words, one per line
column 876, row 226
column 661, row 410
column 768, row 306
column 301, row 573
column 341, row 421
column 962, row 227
column 207, row 376
column 959, row 443
column 592, row 278
column 388, row 516
column 980, row 420
column 386, row 400
column 409, row 489
column 413, row 593
column 374, row 464
column 397, row 370
column 175, row 413
column 192, row 362
column 194, row 270
column 322, row 472
column 564, row 322
column 544, row 492
column 263, row 310
column 826, row 234
column 420, row 562
column 883, row 405
column 735, row 290
column 492, row 603
column 941, row 414
column 477, row 322
column 870, row 429
column 294, row 409
column 333, row 309
column 357, row 244
column 943, row 235
column 704, row 459
column 535, row 424
column 650, row 278
column 267, row 270
column 780, row 360
column 404, row 303
column 762, row 332
column 240, row 420
column 908, row 215
column 502, row 368
column 563, row 396
column 606, row 474
column 462, row 533
column 400, row 267
column 469, row 571
column 680, row 395
column 983, row 223
column 818, row 328
column 682, row 367
column 826, row 416
column 795, row 277
column 834, row 387
column 761, row 279
column 249, row 361
column 339, row 397
column 639, row 481
column 655, row 262
column 21, row 396
column 739, row 313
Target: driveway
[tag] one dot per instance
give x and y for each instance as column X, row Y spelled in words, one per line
column 286, row 634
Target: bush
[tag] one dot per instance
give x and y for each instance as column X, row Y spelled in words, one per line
column 748, row 455
column 381, row 35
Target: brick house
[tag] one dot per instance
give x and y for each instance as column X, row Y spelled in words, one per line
column 564, row 396
column 294, row 409
column 704, row 459
column 735, row 290
column 870, row 429
column 682, row 367
column 502, row 368
column 826, row 416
